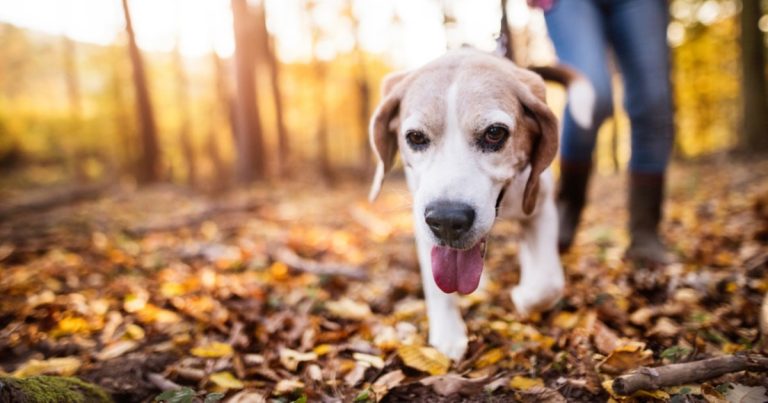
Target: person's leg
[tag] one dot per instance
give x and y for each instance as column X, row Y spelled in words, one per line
column 577, row 31
column 638, row 32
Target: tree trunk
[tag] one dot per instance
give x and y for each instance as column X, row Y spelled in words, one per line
column 754, row 91
column 321, row 134
column 73, row 152
column 364, row 95
column 182, row 101
column 250, row 149
column 269, row 54
column 148, row 170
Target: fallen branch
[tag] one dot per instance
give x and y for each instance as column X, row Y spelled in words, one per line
column 679, row 374
column 192, row 219
column 55, row 198
column 298, row 263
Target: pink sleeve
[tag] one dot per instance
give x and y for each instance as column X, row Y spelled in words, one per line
column 542, row 4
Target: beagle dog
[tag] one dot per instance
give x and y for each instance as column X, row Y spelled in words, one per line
column 476, row 139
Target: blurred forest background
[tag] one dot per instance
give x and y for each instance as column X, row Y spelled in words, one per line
column 216, row 93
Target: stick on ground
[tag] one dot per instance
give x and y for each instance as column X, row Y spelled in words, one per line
column 679, row 374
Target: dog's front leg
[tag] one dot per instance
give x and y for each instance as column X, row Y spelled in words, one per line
column 447, row 331
column 541, row 274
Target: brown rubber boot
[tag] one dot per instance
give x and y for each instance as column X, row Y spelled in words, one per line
column 574, row 178
column 646, row 196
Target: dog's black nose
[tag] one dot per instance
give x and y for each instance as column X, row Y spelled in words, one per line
column 449, row 221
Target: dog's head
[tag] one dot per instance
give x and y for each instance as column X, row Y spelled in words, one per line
column 466, row 125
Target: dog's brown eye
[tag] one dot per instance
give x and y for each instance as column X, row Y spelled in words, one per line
column 493, row 138
column 417, row 140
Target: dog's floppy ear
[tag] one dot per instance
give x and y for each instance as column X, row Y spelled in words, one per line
column 383, row 128
column 532, row 94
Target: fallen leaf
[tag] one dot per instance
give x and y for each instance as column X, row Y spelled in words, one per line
column 213, row 350
column 655, row 394
column 288, row 386
column 292, row 358
column 628, row 356
column 490, row 357
column 524, row 383
column 451, row 384
column 566, row 320
column 225, row 380
column 605, row 339
column 423, row 358
column 65, row 366
column 247, row 396
column 373, row 360
column 356, row 375
column 348, row 309
column 541, row 394
column 664, row 327
column 738, row 393
column 116, row 349
column 386, row 382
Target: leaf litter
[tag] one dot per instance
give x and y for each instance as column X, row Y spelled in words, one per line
column 259, row 301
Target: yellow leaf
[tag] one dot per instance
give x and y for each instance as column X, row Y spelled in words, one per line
column 322, row 349
column 66, row 366
column 490, row 357
column 523, row 383
column 134, row 332
column 348, row 309
column 213, row 350
column 225, row 380
column 628, row 356
column 426, row 359
column 68, row 326
column 565, row 320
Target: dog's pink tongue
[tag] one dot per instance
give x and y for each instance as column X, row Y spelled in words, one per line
column 457, row 270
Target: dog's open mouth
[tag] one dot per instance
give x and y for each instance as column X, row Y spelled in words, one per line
column 458, row 270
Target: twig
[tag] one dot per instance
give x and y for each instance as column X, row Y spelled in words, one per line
column 678, row 374
column 301, row 264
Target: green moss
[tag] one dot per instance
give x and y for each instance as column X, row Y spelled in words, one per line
column 50, row 389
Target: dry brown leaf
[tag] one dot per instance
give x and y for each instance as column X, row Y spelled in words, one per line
column 738, row 393
column 664, row 327
column 386, row 382
column 65, row 366
column 451, row 384
column 373, row 360
column 642, row 316
column 247, row 396
column 288, row 386
column 541, row 394
column 628, row 356
column 605, row 339
column 423, row 358
column 654, row 394
column 116, row 349
column 711, row 395
column 356, row 375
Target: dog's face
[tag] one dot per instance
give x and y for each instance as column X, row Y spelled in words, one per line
column 466, row 125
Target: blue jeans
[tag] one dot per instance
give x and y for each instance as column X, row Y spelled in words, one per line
column 582, row 32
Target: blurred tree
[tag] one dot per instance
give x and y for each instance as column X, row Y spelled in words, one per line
column 363, row 91
column 268, row 53
column 223, row 105
column 321, row 78
column 75, row 99
column 754, row 136
column 183, row 103
column 250, row 143
column 505, row 34
column 148, row 170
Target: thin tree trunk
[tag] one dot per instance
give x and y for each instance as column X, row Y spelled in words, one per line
column 269, row 54
column 126, row 146
column 73, row 152
column 323, row 140
column 754, row 90
column 364, row 95
column 148, row 170
column 250, row 148
column 182, row 101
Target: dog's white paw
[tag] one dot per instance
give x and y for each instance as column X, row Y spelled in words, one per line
column 529, row 298
column 449, row 336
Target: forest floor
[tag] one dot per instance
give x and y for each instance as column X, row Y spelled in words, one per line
column 292, row 292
